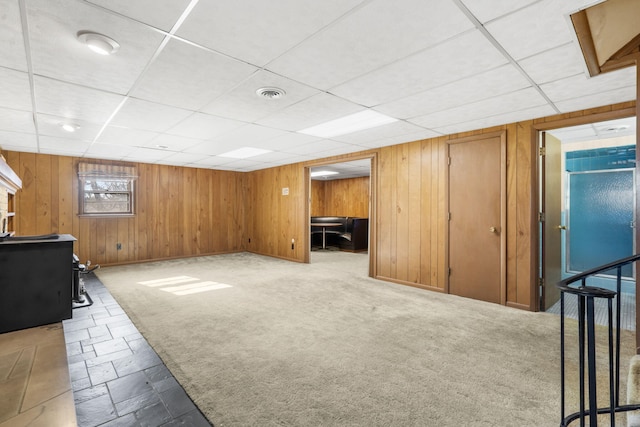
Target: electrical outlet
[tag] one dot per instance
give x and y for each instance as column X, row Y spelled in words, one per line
column 119, row 246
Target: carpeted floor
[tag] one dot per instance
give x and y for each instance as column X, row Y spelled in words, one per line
column 257, row 341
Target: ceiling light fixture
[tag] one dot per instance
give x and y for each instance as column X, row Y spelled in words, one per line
column 271, row 92
column 244, row 153
column 366, row 119
column 615, row 128
column 323, row 173
column 99, row 43
column 69, row 127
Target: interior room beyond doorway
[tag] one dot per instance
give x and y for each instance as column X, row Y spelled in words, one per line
column 596, row 194
column 340, row 197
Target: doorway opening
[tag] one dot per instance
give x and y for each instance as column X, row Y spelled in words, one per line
column 588, row 206
column 340, row 212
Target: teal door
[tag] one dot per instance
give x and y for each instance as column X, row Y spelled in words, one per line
column 600, row 219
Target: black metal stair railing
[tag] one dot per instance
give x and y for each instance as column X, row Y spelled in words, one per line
column 577, row 285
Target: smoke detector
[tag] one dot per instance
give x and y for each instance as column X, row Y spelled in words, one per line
column 271, row 92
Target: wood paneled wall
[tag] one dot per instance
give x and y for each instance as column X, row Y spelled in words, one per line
column 340, row 197
column 184, row 211
column 411, row 211
column 179, row 212
column 317, row 198
column 276, row 219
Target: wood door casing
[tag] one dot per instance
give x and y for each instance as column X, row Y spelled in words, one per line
column 477, row 226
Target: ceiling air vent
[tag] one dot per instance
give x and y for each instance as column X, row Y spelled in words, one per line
column 271, row 92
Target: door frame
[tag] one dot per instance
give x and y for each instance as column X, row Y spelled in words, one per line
column 373, row 168
column 502, row 134
column 536, row 130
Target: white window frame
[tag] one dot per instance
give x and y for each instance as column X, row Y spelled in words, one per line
column 99, row 185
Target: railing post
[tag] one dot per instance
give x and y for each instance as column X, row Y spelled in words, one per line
column 586, row 307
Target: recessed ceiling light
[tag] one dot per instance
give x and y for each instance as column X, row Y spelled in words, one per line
column 244, row 153
column 271, row 92
column 323, row 173
column 366, row 119
column 99, row 43
column 69, row 127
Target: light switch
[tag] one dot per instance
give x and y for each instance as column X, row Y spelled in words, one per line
column 285, row 191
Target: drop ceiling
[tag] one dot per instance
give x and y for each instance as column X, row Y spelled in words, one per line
column 181, row 89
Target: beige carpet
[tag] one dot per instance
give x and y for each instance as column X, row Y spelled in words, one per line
column 321, row 344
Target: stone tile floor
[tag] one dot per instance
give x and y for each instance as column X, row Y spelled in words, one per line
column 116, row 376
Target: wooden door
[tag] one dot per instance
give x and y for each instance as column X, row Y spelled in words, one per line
column 477, row 205
column 552, row 227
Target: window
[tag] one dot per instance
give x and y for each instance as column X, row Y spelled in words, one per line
column 106, row 190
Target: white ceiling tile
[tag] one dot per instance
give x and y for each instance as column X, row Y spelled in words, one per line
column 211, row 162
column 554, row 64
column 74, row 102
column 616, row 127
column 575, row 133
column 597, row 100
column 247, row 164
column 499, row 119
column 290, row 139
column 486, row 10
column 107, row 151
column 52, row 126
column 50, row 143
column 375, row 35
column 455, row 59
column 16, row 121
column 211, row 148
column 204, row 126
column 190, row 77
column 488, row 84
column 322, row 146
column 400, row 139
column 580, row 85
column 173, row 142
column 258, row 31
column 181, row 159
column 249, row 136
column 17, row 141
column 503, row 104
column 164, row 16
column 139, row 114
column 542, row 26
column 275, row 157
column 12, row 51
column 59, row 151
column 145, row 155
column 318, row 109
column 379, row 132
column 346, row 149
column 116, row 135
column 56, row 52
column 242, row 103
column 15, row 89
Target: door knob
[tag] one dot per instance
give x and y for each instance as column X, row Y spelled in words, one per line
column 562, row 227
column 493, row 230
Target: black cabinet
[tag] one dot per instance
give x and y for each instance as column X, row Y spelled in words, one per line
column 36, row 280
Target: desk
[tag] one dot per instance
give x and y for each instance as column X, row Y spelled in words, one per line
column 324, row 226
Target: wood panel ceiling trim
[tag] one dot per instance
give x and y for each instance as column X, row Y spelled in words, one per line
column 593, row 49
